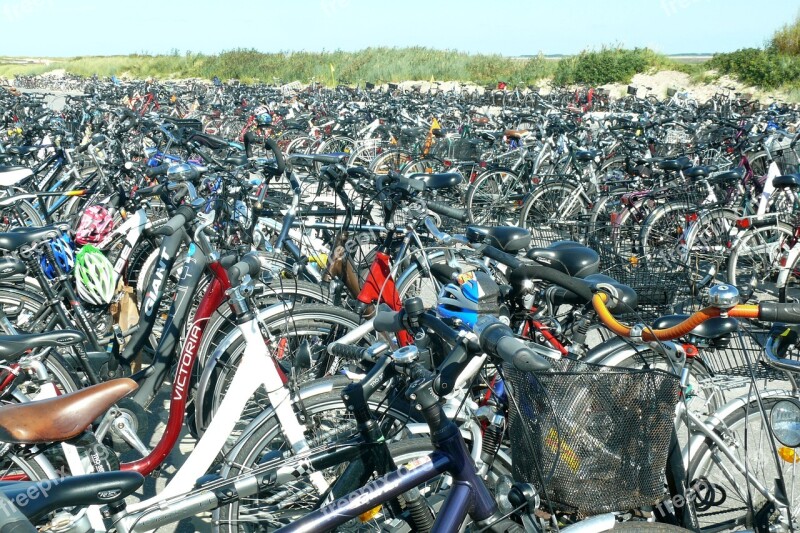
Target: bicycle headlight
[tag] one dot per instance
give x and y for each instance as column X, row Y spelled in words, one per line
column 785, row 419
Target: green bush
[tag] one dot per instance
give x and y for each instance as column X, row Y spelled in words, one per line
column 787, row 39
column 764, row 68
column 372, row 64
column 608, row 65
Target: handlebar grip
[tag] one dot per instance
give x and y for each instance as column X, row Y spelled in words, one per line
column 502, row 257
column 14, row 520
column 156, row 190
column 172, row 225
column 160, row 170
column 183, row 215
column 248, row 265
column 575, row 285
column 447, row 211
column 388, row 321
column 788, row 313
column 18, row 526
column 294, row 182
column 279, row 160
column 347, row 351
column 498, row 340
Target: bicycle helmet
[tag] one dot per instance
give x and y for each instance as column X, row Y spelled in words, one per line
column 63, row 254
column 94, row 226
column 263, row 119
column 474, row 293
column 94, row 275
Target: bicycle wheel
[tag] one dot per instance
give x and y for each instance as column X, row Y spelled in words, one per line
column 424, row 165
column 495, row 197
column 392, row 160
column 306, row 328
column 724, row 496
column 552, row 211
column 21, row 214
column 708, row 244
column 328, row 422
column 755, row 261
column 789, row 290
column 664, row 227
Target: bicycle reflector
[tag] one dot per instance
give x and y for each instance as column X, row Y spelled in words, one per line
column 785, row 420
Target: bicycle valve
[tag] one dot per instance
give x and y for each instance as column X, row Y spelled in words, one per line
column 723, row 297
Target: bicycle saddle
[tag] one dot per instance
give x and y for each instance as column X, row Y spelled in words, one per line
column 791, row 181
column 729, row 176
column 712, row 329
column 626, row 294
column 323, row 159
column 12, row 240
column 13, row 345
column 679, row 163
column 13, row 175
column 507, row 238
column 22, row 150
column 62, row 418
column 585, row 156
column 73, row 491
column 569, row 257
column 700, row 171
column 515, row 134
column 439, row 180
column 210, row 141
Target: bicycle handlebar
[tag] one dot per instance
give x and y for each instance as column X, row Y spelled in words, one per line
column 451, row 212
column 767, row 311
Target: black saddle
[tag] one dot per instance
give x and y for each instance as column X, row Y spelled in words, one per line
column 439, row 180
column 210, row 141
column 236, row 161
column 713, row 329
column 790, row 181
column 569, row 257
column 75, row 491
column 729, row 176
column 13, row 345
column 13, row 240
column 700, row 171
column 507, row 238
column 322, row 159
column 22, row 150
column 628, row 297
column 679, row 163
column 584, row 156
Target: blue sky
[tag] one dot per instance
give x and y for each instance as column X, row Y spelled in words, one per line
column 511, row 27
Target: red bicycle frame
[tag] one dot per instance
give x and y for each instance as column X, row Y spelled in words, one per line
column 379, row 287
column 212, row 299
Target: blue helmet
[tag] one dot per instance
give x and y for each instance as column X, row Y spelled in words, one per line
column 473, row 293
column 63, row 254
column 263, row 119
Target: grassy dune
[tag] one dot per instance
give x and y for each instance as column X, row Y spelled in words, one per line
column 776, row 66
column 372, row 64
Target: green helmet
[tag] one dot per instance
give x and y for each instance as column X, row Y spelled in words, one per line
column 95, row 276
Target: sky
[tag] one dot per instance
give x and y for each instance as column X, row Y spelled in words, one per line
column 63, row 28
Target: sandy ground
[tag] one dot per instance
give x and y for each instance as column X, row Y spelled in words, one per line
column 657, row 82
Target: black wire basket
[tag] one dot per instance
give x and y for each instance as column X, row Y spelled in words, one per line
column 662, row 283
column 592, row 439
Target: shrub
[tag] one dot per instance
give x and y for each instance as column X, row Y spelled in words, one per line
column 607, row 65
column 764, row 68
column 787, row 39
